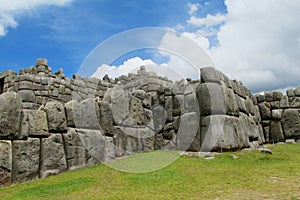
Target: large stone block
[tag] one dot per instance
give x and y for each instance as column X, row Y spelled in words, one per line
column 291, row 123
column 56, row 116
column 231, row 103
column 187, row 132
column 53, row 159
column 27, row 96
column 106, row 118
column 10, row 114
column 34, row 123
column 211, row 99
column 120, row 105
column 136, row 111
column 25, row 160
column 75, row 150
column 277, row 114
column 131, row 140
column 222, row 133
column 191, row 103
column 159, row 117
column 149, row 122
column 276, row 132
column 5, row 162
column 73, row 113
column 209, row 75
column 178, row 105
column 169, row 108
column 90, row 112
column 241, row 104
column 294, row 102
column 277, row 96
column 284, row 103
column 119, row 141
column 94, row 142
column 265, row 110
column 109, row 153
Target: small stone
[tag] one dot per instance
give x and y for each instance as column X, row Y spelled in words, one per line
column 290, row 141
column 265, row 150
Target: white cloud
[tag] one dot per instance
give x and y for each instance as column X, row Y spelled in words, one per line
column 129, row 66
column 193, row 8
column 9, row 8
column 209, row 20
column 5, row 22
column 259, row 43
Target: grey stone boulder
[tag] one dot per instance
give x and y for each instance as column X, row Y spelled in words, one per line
column 56, row 116
column 90, row 114
column 276, row 132
column 209, row 75
column 231, row 105
column 27, row 96
column 53, row 159
column 297, row 91
column 269, row 96
column 120, row 105
column 94, row 142
column 211, row 99
column 291, row 123
column 34, row 123
column 140, row 94
column 284, row 103
column 277, row 114
column 222, row 133
column 119, row 140
column 294, row 102
column 10, row 114
column 149, row 122
column 169, row 108
column 106, row 118
column 187, row 132
column 136, row 111
column 277, row 96
column 5, row 162
column 191, row 103
column 159, row 117
column 290, row 93
column 73, row 113
column 265, row 110
column 75, row 150
column 147, row 101
column 109, row 153
column 178, row 105
column 260, row 98
column 25, row 160
column 241, row 104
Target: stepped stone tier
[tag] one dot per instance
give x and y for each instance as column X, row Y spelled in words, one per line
column 50, row 123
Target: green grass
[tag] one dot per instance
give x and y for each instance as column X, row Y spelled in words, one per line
column 253, row 175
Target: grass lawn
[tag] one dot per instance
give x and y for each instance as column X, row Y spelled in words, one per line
column 253, row 175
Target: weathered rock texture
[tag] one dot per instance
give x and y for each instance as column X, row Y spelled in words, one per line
column 50, row 123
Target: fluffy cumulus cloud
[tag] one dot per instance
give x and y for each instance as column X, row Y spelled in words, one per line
column 209, row 20
column 129, row 66
column 9, row 8
column 259, row 43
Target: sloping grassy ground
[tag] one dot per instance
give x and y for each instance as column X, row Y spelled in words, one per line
column 253, row 175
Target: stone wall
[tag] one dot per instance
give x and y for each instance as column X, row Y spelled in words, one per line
column 230, row 119
column 50, row 123
column 280, row 115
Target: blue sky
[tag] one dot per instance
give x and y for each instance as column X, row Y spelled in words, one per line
column 66, row 31
column 66, row 34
